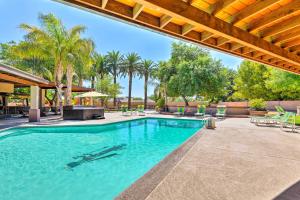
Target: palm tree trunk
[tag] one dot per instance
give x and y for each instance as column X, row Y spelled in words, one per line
column 145, row 91
column 115, row 82
column 59, row 85
column 129, row 90
column 93, row 82
column 69, row 85
column 166, row 97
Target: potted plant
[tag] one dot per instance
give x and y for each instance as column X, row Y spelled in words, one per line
column 257, row 107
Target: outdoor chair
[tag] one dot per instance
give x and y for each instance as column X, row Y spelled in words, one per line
column 141, row 111
column 180, row 111
column 278, row 119
column 289, row 121
column 125, row 111
column 266, row 118
column 221, row 112
column 201, row 111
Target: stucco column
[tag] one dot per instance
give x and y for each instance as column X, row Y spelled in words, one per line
column 34, row 112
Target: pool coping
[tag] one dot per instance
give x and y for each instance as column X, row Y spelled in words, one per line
column 143, row 187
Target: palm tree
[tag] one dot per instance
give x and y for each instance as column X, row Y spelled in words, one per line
column 51, row 37
column 114, row 61
column 130, row 67
column 147, row 70
column 99, row 67
column 79, row 58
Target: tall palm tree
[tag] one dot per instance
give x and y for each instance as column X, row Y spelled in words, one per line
column 114, row 61
column 51, row 36
column 147, row 69
column 99, row 67
column 130, row 67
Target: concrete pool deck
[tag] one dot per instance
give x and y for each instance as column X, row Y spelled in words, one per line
column 237, row 160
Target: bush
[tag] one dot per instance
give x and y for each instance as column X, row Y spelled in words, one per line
column 160, row 103
column 258, row 104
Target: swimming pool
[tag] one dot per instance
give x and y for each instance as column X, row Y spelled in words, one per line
column 85, row 162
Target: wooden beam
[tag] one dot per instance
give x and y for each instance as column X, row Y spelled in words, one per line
column 137, row 9
column 103, row 3
column 14, row 79
column 194, row 16
column 275, row 15
column 220, row 5
column 186, row 28
column 281, row 27
column 253, row 9
column 164, row 20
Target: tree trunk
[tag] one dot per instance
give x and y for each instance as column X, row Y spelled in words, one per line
column 68, row 99
column 115, row 82
column 185, row 101
column 80, row 83
column 59, row 85
column 129, row 90
column 145, row 91
column 93, row 82
column 166, row 97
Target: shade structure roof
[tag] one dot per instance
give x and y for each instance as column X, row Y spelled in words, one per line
column 19, row 78
column 91, row 94
column 266, row 31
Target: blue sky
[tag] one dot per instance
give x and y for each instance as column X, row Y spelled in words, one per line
column 104, row 31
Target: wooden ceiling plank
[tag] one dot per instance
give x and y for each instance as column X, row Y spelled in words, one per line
column 206, row 36
column 137, row 9
column 291, row 44
column 290, row 35
column 221, row 41
column 284, row 11
column 186, row 28
column 281, row 27
column 253, row 9
column 164, row 20
column 236, row 46
column 220, row 5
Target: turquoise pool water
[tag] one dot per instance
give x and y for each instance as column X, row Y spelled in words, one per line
column 85, row 162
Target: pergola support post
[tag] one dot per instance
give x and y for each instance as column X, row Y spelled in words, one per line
column 34, row 112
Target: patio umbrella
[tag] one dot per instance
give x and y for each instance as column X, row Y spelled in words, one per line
column 91, row 95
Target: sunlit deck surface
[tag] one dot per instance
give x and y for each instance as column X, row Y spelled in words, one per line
column 238, row 160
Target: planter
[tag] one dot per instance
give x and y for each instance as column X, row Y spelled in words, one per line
column 257, row 112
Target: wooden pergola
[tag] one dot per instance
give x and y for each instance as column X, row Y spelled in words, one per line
column 266, row 31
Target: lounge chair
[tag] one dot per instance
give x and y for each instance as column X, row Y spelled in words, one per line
column 180, row 111
column 289, row 121
column 275, row 120
column 141, row 111
column 125, row 111
column 201, row 111
column 279, row 109
column 221, row 112
column 266, row 118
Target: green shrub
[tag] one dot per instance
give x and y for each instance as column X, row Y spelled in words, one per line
column 258, row 104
